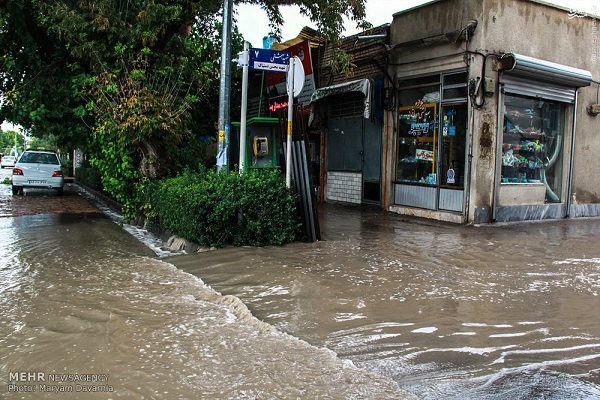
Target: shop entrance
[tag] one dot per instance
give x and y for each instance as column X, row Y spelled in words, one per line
column 432, row 132
column 354, row 155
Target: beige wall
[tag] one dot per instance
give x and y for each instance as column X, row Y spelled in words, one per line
column 516, row 26
column 547, row 33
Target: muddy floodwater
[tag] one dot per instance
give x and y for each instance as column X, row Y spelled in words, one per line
column 88, row 312
column 447, row 312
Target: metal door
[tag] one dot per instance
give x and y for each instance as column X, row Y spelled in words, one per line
column 354, row 145
column 371, row 162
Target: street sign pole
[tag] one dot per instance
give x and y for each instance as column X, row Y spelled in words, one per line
column 245, row 61
column 225, row 87
column 288, row 156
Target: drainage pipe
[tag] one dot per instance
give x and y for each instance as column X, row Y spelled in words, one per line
column 571, row 158
column 499, row 140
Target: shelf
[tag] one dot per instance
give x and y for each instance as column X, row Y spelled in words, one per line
column 529, row 135
column 416, row 161
column 517, row 115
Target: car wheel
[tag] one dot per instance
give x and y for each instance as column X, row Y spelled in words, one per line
column 59, row 191
column 16, row 190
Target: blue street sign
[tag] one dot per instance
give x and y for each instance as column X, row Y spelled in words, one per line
column 269, row 60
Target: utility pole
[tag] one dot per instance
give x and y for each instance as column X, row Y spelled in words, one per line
column 225, row 88
column 242, row 142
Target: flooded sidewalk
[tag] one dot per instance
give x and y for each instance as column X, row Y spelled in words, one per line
column 88, row 312
column 445, row 311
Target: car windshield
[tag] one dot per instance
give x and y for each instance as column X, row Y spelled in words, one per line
column 39, row 158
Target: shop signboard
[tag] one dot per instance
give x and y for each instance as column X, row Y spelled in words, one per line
column 276, row 81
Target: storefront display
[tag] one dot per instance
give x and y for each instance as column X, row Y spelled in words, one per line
column 418, row 136
column 532, row 143
column 431, row 142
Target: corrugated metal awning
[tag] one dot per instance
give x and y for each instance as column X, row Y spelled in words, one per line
column 360, row 85
column 539, row 78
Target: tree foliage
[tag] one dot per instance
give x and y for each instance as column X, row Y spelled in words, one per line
column 10, row 139
column 132, row 82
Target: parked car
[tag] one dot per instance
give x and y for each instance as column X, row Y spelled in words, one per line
column 8, row 161
column 37, row 169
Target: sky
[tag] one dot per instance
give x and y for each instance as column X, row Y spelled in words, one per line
column 253, row 22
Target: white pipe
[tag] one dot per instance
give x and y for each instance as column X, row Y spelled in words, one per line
column 242, row 141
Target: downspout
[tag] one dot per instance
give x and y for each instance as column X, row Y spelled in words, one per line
column 469, row 163
column 497, row 168
column 571, row 159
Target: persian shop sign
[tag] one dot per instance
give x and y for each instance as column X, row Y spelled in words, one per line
column 424, row 155
column 269, row 60
column 277, row 105
column 276, row 81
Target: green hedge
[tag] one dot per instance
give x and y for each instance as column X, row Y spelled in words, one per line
column 215, row 209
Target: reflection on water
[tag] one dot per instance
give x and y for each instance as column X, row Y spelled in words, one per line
column 446, row 311
column 80, row 296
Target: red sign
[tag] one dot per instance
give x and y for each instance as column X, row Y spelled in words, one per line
column 277, row 105
column 276, row 80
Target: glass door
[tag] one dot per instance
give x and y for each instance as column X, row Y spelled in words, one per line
column 432, row 132
column 452, row 144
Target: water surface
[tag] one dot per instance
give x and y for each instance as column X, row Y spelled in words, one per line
column 446, row 311
column 79, row 296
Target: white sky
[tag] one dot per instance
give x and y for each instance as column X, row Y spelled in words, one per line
column 253, row 22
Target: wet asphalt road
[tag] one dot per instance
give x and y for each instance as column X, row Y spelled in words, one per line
column 79, row 296
column 40, row 201
column 445, row 311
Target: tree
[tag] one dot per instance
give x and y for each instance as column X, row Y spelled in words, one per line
column 10, row 139
column 128, row 81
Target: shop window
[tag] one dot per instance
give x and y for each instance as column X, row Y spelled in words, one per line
column 423, row 80
column 425, row 135
column 417, row 134
column 425, row 94
column 432, row 130
column 455, row 79
column 454, row 93
column 532, row 148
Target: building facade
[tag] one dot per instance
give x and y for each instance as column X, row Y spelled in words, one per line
column 347, row 114
column 493, row 117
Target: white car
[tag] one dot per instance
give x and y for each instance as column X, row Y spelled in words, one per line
column 37, row 169
column 8, row 161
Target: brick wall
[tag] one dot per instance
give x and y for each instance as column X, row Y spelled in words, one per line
column 344, row 187
column 369, row 57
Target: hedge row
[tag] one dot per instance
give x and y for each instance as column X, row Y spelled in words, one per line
column 215, row 209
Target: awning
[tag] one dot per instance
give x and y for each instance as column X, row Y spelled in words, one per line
column 361, row 85
column 552, row 72
column 539, row 78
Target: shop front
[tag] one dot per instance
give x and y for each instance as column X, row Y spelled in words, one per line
column 537, row 118
column 352, row 142
column 492, row 121
column 431, row 142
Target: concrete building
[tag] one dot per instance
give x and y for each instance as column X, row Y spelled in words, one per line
column 347, row 114
column 493, row 117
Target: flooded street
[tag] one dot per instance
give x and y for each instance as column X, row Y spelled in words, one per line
column 441, row 311
column 88, row 312
column 445, row 311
